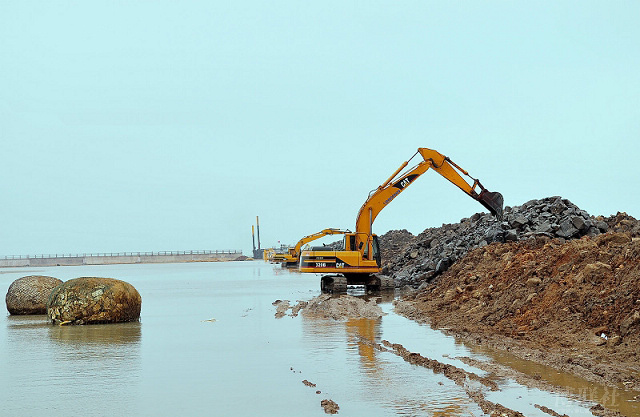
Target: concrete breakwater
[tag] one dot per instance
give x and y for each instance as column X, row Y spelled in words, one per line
column 121, row 258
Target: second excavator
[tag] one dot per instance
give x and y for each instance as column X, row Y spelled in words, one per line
column 359, row 260
column 292, row 257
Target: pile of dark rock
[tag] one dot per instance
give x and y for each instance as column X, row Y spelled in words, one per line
column 433, row 251
column 394, row 243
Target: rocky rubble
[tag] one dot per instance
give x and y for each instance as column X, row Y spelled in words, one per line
column 623, row 223
column 433, row 251
column 394, row 243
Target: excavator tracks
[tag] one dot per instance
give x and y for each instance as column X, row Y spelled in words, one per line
column 333, row 284
column 338, row 283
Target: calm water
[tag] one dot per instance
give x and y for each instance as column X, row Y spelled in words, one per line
column 178, row 361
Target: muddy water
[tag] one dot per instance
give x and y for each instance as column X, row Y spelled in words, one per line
column 208, row 344
column 614, row 398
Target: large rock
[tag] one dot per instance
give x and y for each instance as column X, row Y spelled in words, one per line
column 28, row 295
column 89, row 300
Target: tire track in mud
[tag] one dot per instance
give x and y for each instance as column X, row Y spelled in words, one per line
column 458, row 375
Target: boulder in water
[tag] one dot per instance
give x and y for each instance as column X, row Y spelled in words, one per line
column 90, row 300
column 28, row 295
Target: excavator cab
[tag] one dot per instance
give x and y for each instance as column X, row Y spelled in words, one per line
column 376, row 251
column 349, row 242
column 375, row 246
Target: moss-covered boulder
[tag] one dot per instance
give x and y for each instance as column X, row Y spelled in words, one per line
column 90, row 300
column 29, row 295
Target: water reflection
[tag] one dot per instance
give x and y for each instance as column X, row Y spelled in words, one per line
column 617, row 399
column 116, row 333
column 383, row 378
column 15, row 323
column 58, row 362
column 452, row 410
column 104, row 334
column 364, row 332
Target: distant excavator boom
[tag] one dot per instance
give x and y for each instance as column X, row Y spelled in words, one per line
column 293, row 256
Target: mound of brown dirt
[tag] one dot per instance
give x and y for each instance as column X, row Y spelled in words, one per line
column 577, row 303
column 434, row 250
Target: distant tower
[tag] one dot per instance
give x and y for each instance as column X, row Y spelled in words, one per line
column 253, row 239
column 257, row 253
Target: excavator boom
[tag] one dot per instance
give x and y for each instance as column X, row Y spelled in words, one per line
column 379, row 198
column 293, row 256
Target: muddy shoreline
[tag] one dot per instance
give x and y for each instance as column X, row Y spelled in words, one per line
column 617, row 375
column 476, row 386
column 601, row 399
column 573, row 306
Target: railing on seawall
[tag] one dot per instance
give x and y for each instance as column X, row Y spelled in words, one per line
column 110, row 254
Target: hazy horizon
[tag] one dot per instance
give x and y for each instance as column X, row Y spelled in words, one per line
column 138, row 126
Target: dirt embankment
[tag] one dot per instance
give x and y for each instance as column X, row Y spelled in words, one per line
column 574, row 305
column 424, row 257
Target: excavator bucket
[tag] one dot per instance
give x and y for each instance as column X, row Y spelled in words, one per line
column 492, row 201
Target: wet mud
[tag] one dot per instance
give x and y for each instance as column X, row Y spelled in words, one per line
column 336, row 307
column 349, row 307
column 571, row 305
column 330, row 407
column 459, row 376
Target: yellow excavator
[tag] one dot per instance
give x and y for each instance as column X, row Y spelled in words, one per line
column 292, row 257
column 268, row 254
column 359, row 260
column 277, row 256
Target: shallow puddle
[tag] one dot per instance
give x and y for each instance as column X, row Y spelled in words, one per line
column 617, row 399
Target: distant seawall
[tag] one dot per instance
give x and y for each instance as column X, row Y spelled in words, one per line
column 121, row 258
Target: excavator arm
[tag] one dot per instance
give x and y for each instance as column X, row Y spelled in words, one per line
column 295, row 251
column 399, row 181
column 293, row 256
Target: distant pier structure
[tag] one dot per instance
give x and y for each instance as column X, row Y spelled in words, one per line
column 122, row 258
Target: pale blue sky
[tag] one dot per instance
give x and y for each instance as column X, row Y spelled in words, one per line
column 166, row 125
